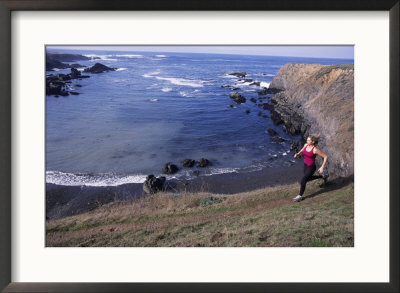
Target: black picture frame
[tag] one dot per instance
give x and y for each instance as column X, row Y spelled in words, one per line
column 6, row 7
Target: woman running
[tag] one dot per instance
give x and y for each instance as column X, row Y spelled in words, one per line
column 310, row 152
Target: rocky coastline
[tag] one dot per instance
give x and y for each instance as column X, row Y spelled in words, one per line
column 57, row 84
column 306, row 98
column 314, row 98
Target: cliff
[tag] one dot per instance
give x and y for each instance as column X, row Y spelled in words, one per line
column 319, row 99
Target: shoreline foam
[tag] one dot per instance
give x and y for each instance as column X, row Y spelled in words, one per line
column 63, row 201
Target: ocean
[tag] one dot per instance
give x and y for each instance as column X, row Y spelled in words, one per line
column 164, row 107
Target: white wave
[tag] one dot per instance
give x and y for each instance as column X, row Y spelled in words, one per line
column 228, row 76
column 161, row 56
column 120, row 69
column 129, row 55
column 221, row 171
column 102, row 57
column 177, row 81
column 191, row 94
column 182, row 81
column 150, row 74
column 264, row 84
column 70, row 179
column 166, row 89
column 242, row 149
column 56, row 69
column 153, row 100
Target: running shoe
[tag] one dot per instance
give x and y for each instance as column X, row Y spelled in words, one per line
column 325, row 177
column 298, row 198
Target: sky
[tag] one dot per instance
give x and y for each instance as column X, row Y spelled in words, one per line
column 316, row 51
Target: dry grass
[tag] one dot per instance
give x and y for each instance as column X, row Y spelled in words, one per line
column 265, row 217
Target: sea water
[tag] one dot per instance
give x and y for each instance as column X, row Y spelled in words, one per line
column 163, row 107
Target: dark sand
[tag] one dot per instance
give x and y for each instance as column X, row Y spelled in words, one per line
column 62, row 201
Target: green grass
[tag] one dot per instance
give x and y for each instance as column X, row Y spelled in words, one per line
column 265, row 217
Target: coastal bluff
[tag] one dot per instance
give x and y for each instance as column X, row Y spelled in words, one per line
column 317, row 98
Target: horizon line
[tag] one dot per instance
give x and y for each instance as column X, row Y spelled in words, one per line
column 217, row 53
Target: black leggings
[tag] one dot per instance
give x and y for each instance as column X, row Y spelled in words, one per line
column 308, row 176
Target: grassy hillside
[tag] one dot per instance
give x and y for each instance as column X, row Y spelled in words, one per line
column 265, row 217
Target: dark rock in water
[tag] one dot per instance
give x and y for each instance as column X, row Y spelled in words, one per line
column 273, row 91
column 246, row 80
column 257, row 83
column 266, row 91
column 262, row 92
column 52, row 63
column 203, row 163
column 188, row 163
column 78, row 85
column 247, row 111
column 267, row 106
column 253, row 100
column 75, row 73
column 63, row 76
column 265, row 116
column 272, row 132
column 67, row 57
column 278, row 139
column 238, row 74
column 259, row 113
column 56, row 84
column 170, row 168
column 55, row 60
column 56, row 96
column 153, row 184
column 98, row 68
column 231, row 106
column 76, row 65
column 276, row 118
column 238, row 98
column 230, row 87
column 74, row 93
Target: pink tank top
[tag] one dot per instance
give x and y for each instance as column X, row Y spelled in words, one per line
column 309, row 157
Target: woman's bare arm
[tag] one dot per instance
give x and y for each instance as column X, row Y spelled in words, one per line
column 322, row 154
column 296, row 154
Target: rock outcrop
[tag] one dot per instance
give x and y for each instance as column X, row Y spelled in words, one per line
column 98, row 68
column 238, row 74
column 170, row 168
column 238, row 98
column 55, row 60
column 57, row 84
column 318, row 98
column 153, row 184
